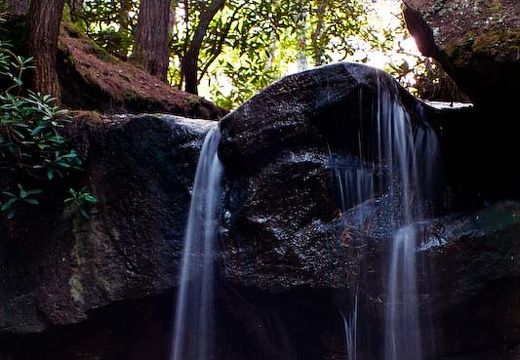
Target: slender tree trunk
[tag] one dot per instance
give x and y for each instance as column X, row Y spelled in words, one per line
column 190, row 61
column 301, row 31
column 44, row 25
column 152, row 37
column 75, row 7
column 318, row 32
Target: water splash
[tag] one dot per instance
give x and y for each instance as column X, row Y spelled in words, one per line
column 194, row 317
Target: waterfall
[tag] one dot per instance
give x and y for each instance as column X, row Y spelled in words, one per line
column 411, row 155
column 194, row 321
column 350, row 324
column 397, row 176
column 355, row 184
column 402, row 339
column 384, row 184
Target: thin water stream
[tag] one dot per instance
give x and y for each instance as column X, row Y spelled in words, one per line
column 401, row 173
column 194, row 316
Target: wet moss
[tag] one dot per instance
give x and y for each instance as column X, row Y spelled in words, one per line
column 499, row 44
column 102, row 54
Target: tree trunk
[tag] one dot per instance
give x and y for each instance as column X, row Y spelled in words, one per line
column 44, row 25
column 75, row 7
column 190, row 61
column 301, row 31
column 151, row 39
column 18, row 7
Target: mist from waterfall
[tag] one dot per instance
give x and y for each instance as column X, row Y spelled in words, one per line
column 194, row 316
column 399, row 180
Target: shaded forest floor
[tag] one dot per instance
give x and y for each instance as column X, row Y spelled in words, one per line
column 92, row 79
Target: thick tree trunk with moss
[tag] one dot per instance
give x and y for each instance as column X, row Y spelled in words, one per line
column 151, row 39
column 44, row 24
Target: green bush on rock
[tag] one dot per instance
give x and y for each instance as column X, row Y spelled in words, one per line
column 32, row 150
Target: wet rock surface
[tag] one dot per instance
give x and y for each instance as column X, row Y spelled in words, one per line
column 283, row 231
column 288, row 260
column 59, row 267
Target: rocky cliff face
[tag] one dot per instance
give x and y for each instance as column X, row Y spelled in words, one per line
column 104, row 288
column 289, row 259
column 60, row 269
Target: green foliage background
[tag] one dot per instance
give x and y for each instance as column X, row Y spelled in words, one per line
column 250, row 44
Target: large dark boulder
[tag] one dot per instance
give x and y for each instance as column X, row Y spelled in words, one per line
column 285, row 238
column 60, row 269
column 291, row 111
column 279, row 161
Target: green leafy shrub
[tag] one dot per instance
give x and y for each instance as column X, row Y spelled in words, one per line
column 22, row 196
column 29, row 137
column 32, row 149
column 82, row 199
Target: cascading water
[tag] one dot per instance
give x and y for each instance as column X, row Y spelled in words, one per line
column 398, row 177
column 411, row 154
column 194, row 322
column 383, row 182
column 355, row 184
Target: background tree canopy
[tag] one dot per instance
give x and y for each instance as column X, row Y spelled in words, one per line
column 226, row 50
